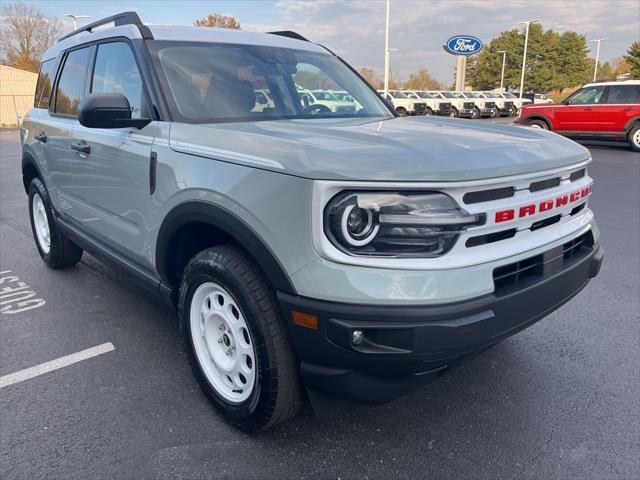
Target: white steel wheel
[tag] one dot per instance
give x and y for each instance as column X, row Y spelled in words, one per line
column 41, row 223
column 222, row 342
column 636, row 138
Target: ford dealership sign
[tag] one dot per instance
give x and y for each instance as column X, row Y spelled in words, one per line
column 463, row 45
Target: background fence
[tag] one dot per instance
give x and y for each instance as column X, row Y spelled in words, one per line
column 11, row 106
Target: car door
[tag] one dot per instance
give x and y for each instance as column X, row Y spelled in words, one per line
column 111, row 186
column 62, row 127
column 580, row 113
column 622, row 104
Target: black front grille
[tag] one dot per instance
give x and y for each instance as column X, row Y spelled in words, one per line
column 445, row 106
column 488, row 195
column 490, row 105
column 518, row 275
column 420, row 106
column 508, row 105
column 544, row 184
column 577, row 175
column 468, row 105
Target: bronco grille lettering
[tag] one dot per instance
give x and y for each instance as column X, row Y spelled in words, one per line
column 543, row 206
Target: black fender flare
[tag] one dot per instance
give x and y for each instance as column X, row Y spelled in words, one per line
column 538, row 116
column 629, row 125
column 231, row 224
column 29, row 161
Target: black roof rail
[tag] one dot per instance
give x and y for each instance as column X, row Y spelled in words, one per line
column 289, row 34
column 124, row 18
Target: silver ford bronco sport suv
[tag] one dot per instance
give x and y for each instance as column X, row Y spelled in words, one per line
column 308, row 252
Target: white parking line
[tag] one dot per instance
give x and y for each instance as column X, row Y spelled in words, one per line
column 56, row 364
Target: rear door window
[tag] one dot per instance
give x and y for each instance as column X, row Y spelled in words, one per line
column 71, row 85
column 116, row 71
column 45, row 84
column 624, row 94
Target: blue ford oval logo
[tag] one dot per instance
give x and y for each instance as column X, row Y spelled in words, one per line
column 463, row 45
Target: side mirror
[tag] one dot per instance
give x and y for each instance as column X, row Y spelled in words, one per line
column 565, row 101
column 108, row 110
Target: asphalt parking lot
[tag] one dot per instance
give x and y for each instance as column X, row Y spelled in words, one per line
column 559, row 400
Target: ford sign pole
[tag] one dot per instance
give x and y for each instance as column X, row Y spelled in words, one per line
column 524, row 56
column 462, row 46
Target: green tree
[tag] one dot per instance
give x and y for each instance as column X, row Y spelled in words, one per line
column 553, row 60
column 421, row 80
column 218, row 20
column 605, row 71
column 633, row 59
column 26, row 34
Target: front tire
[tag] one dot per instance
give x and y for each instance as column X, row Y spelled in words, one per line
column 476, row 113
column 453, row 113
column 54, row 248
column 402, row 111
column 236, row 339
column 634, row 138
column 537, row 124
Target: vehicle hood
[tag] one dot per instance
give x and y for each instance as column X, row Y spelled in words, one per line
column 396, row 149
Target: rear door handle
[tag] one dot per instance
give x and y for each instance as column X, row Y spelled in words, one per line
column 80, row 146
column 41, row 137
column 588, row 109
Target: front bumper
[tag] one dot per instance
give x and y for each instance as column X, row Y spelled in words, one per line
column 467, row 112
column 406, row 346
column 489, row 112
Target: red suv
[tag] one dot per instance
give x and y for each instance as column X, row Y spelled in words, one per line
column 597, row 111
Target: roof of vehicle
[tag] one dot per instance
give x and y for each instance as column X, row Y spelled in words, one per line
column 612, row 82
column 183, row 33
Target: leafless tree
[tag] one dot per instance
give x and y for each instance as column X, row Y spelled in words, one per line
column 26, row 35
column 218, row 20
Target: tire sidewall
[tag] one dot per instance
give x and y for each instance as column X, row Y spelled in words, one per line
column 630, row 138
column 37, row 187
column 245, row 415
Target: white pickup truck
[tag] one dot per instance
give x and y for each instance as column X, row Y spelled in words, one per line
column 518, row 102
column 457, row 102
column 435, row 106
column 506, row 106
column 403, row 104
column 476, row 106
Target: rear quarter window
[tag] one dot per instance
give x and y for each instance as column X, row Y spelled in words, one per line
column 45, row 84
column 624, row 94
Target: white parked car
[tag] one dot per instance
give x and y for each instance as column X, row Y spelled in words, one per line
column 541, row 98
column 476, row 106
column 457, row 101
column 326, row 101
column 518, row 102
column 506, row 107
column 435, row 106
column 403, row 104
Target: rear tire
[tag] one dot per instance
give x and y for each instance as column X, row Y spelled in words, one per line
column 402, row 111
column 634, row 138
column 537, row 124
column 453, row 113
column 253, row 381
column 476, row 113
column 56, row 250
column 429, row 111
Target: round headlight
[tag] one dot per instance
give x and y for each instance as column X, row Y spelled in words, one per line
column 357, row 225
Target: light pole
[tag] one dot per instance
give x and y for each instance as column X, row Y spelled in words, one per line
column 386, row 51
column 504, row 59
column 524, row 56
column 75, row 19
column 595, row 70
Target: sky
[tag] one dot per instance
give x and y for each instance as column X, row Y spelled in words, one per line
column 355, row 29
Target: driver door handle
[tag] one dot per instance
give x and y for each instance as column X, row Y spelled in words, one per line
column 81, row 146
column 588, row 109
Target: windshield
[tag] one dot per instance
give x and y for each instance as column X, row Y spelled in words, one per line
column 508, row 95
column 423, row 95
column 491, row 95
column 448, row 95
column 209, row 82
column 471, row 95
column 398, row 95
column 459, row 95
